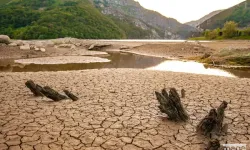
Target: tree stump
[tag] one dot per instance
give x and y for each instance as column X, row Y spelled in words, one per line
column 213, row 121
column 213, row 145
column 170, row 104
column 221, row 115
column 34, row 88
column 208, row 124
column 70, row 95
column 183, row 92
column 52, row 94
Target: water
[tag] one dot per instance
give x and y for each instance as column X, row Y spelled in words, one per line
column 127, row 60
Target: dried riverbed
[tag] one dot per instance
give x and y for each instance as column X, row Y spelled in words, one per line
column 117, row 109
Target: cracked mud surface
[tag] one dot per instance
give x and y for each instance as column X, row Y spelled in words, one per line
column 117, row 109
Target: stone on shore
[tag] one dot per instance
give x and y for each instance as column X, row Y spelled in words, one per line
column 13, row 44
column 98, row 46
column 25, row 47
column 4, row 39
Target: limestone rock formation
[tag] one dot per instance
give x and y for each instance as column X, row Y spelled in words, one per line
column 170, row 104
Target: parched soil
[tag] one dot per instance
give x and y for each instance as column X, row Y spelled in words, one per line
column 117, row 109
column 173, row 50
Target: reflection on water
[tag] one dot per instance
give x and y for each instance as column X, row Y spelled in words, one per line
column 189, row 67
column 127, row 60
column 118, row 60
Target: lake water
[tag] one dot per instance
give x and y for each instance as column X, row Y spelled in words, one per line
column 127, row 60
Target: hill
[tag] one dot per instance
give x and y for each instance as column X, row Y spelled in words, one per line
column 239, row 13
column 48, row 19
column 201, row 20
column 155, row 24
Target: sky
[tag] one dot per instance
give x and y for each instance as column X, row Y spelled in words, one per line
column 187, row 10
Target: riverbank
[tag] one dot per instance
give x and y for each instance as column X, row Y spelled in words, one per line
column 117, row 109
column 213, row 52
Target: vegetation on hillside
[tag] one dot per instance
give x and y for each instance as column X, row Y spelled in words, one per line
column 239, row 13
column 48, row 19
column 229, row 31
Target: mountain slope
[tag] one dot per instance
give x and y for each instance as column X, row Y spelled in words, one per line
column 239, row 13
column 36, row 19
column 201, row 20
column 159, row 25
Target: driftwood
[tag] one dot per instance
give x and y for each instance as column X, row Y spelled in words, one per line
column 213, row 145
column 213, row 121
column 34, row 88
column 170, row 103
column 70, row 95
column 52, row 94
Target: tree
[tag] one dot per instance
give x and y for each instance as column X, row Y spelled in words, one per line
column 230, row 29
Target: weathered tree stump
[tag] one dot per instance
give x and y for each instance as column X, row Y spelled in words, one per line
column 170, row 103
column 221, row 115
column 34, row 88
column 213, row 145
column 70, row 95
column 208, row 124
column 213, row 121
column 183, row 93
column 52, row 94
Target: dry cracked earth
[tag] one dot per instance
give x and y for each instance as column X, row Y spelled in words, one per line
column 117, row 109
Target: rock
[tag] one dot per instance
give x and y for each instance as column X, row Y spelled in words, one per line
column 4, row 39
column 19, row 43
column 37, row 49
column 196, row 48
column 71, row 46
column 42, row 49
column 124, row 47
column 78, row 44
column 13, row 44
column 25, row 47
column 98, row 46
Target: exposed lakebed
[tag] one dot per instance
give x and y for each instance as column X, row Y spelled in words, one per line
column 117, row 60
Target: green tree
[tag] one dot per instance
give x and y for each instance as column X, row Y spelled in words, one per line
column 230, row 29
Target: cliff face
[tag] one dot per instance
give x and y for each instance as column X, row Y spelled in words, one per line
column 159, row 25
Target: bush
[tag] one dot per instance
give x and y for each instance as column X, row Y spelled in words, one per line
column 230, row 29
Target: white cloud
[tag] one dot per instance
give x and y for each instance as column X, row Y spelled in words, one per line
column 187, row 10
